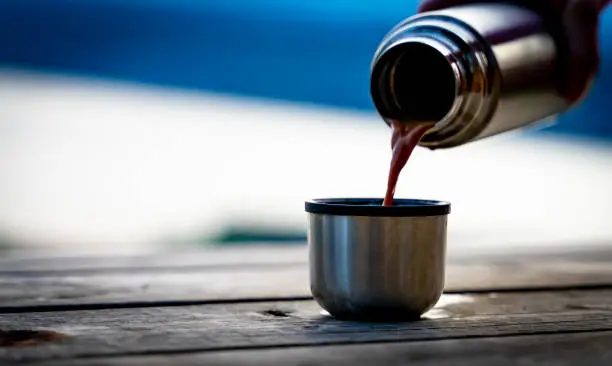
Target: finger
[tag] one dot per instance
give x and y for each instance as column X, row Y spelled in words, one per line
column 580, row 19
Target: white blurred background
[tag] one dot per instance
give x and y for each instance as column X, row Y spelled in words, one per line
column 97, row 166
column 131, row 126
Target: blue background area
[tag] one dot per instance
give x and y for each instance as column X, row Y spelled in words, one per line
column 309, row 51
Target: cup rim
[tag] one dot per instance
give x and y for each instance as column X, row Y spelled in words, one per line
column 402, row 207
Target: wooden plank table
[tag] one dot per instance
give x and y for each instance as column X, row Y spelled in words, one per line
column 251, row 305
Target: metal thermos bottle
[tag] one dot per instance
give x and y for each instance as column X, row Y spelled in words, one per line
column 475, row 70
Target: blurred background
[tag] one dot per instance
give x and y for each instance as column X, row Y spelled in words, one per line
column 138, row 125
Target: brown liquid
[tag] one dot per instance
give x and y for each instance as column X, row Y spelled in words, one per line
column 404, row 139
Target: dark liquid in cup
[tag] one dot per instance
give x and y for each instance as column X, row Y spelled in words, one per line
column 404, row 139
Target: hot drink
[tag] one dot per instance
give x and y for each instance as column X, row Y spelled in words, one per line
column 404, row 139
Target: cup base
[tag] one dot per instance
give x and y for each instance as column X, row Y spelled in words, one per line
column 376, row 317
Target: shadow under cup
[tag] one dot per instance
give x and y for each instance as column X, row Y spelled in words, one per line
column 369, row 262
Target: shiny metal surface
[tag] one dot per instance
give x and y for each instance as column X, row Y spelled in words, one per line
column 364, row 267
column 504, row 67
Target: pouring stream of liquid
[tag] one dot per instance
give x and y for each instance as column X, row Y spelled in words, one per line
column 404, row 139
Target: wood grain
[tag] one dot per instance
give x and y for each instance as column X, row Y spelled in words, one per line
column 206, row 258
column 254, row 273
column 17, row 293
column 91, row 334
column 593, row 348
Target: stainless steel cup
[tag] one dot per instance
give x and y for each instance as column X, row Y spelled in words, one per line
column 369, row 262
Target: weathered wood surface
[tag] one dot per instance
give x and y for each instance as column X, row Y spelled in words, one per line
column 206, row 258
column 259, row 273
column 250, row 306
column 594, row 348
column 223, row 327
column 23, row 293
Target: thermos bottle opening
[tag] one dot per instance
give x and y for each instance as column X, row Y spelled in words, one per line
column 413, row 82
column 476, row 70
